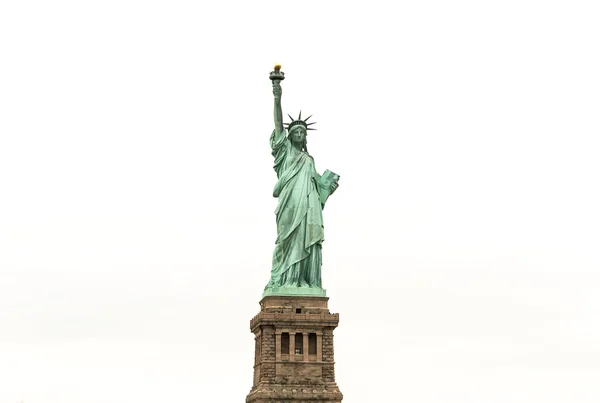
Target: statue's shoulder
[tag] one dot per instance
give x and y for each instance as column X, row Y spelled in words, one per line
column 279, row 142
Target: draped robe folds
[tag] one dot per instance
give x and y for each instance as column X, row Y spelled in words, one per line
column 297, row 254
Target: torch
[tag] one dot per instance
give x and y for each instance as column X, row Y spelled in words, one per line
column 277, row 75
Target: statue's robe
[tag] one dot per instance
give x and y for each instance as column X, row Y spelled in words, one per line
column 297, row 254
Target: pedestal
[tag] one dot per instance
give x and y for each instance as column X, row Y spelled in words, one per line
column 293, row 359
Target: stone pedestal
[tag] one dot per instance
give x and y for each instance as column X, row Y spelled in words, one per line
column 293, row 358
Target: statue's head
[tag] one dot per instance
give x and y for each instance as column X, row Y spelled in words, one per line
column 297, row 130
column 297, row 136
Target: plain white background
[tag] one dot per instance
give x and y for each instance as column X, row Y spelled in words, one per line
column 136, row 217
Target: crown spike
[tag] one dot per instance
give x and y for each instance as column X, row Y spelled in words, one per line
column 299, row 122
column 310, row 128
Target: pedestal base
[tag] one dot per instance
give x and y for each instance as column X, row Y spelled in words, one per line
column 275, row 393
column 293, row 359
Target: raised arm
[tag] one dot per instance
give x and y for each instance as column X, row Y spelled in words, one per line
column 278, row 115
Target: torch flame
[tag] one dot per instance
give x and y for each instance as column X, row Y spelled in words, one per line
column 277, row 67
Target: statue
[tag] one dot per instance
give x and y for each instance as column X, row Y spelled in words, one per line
column 302, row 194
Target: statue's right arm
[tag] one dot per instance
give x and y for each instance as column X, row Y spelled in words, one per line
column 278, row 115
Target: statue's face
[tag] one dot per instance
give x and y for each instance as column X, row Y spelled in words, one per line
column 298, row 136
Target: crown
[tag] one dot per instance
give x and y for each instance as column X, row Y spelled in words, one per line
column 301, row 122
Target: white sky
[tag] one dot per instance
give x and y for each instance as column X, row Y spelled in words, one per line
column 136, row 217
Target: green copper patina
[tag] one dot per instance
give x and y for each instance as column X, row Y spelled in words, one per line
column 302, row 193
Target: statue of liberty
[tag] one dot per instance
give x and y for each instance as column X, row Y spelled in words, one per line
column 301, row 194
